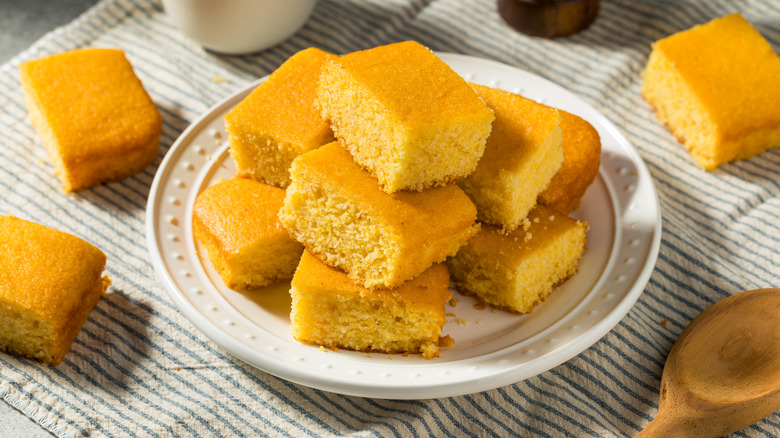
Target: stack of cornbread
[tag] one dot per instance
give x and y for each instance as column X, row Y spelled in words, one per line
column 400, row 179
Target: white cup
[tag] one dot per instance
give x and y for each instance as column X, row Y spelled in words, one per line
column 238, row 26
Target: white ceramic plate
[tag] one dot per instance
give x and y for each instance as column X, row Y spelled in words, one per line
column 492, row 348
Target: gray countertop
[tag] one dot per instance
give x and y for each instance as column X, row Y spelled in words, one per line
column 22, row 22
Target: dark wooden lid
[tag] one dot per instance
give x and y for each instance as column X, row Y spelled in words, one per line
column 548, row 18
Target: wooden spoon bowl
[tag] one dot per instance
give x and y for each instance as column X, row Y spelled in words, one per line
column 723, row 373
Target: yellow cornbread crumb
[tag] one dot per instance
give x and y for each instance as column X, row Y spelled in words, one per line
column 278, row 120
column 715, row 87
column 514, row 276
column 235, row 220
column 330, row 310
column 49, row 283
column 404, row 115
column 93, row 115
column 338, row 211
column 522, row 154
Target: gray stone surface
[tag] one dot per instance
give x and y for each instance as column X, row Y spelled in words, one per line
column 15, row 424
column 22, row 22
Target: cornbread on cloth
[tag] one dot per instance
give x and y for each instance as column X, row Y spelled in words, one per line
column 404, row 115
column 522, row 154
column 581, row 158
column 328, row 309
column 278, row 120
column 236, row 221
column 519, row 270
column 716, row 87
column 92, row 114
column 49, row 283
column 339, row 213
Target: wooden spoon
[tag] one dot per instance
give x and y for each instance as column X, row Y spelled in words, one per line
column 723, row 373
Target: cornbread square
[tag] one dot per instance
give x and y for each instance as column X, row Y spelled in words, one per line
column 522, row 154
column 404, row 115
column 328, row 309
column 716, row 87
column 49, row 283
column 519, row 270
column 581, row 158
column 339, row 213
column 235, row 220
column 92, row 114
column 278, row 120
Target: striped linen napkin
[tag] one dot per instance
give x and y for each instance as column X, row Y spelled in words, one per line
column 139, row 367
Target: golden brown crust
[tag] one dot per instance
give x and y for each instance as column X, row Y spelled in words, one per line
column 93, row 114
column 581, row 159
column 335, row 346
column 416, row 131
column 522, row 154
column 402, row 233
column 236, row 221
column 49, row 283
column 279, row 120
column 330, row 310
column 718, row 111
column 519, row 270
column 462, row 288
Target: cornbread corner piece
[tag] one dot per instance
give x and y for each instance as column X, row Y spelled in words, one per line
column 279, row 120
column 522, row 154
column 519, row 270
column 93, row 115
column 329, row 310
column 404, row 115
column 49, row 283
column 581, row 158
column 236, row 221
column 715, row 87
column 339, row 212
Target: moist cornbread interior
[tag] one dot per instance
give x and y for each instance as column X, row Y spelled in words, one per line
column 519, row 270
column 236, row 221
column 404, row 115
column 49, row 283
column 339, row 212
column 330, row 310
column 522, row 154
column 715, row 87
column 279, row 120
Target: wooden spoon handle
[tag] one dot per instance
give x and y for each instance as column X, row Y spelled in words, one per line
column 661, row 427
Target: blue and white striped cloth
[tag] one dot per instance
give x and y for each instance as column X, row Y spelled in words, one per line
column 139, row 368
